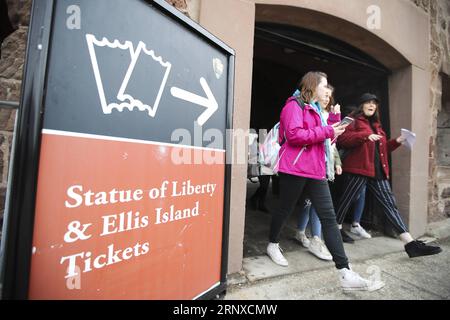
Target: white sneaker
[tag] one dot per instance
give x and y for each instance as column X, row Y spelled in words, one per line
column 318, row 248
column 302, row 238
column 351, row 281
column 358, row 230
column 274, row 252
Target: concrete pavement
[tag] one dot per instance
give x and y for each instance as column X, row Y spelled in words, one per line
column 310, row 278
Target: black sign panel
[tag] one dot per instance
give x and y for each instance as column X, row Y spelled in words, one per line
column 139, row 65
column 95, row 194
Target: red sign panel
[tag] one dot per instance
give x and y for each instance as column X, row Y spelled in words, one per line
column 117, row 219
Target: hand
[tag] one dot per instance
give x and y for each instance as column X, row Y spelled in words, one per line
column 336, row 108
column 338, row 170
column 400, row 139
column 338, row 130
column 374, row 137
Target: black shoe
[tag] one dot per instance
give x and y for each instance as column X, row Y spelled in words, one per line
column 419, row 248
column 346, row 238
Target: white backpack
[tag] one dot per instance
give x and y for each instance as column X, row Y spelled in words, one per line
column 268, row 152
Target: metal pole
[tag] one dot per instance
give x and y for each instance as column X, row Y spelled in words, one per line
column 9, row 104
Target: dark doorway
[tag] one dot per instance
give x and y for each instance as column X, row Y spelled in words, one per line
column 282, row 55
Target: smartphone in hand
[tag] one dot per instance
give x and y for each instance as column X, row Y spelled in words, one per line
column 346, row 121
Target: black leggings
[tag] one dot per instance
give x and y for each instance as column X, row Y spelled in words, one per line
column 291, row 189
column 261, row 192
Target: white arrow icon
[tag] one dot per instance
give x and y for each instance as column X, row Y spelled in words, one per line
column 209, row 102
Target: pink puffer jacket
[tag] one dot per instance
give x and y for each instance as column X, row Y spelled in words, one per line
column 303, row 151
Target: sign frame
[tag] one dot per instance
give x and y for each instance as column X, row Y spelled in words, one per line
column 18, row 224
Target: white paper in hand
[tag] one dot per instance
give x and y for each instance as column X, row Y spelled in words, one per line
column 410, row 138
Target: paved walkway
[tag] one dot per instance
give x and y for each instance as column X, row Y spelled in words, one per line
column 310, row 278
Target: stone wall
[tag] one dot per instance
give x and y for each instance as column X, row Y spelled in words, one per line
column 181, row 5
column 190, row 8
column 442, row 190
column 439, row 164
column 11, row 68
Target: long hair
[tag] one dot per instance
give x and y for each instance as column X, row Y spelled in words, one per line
column 308, row 85
column 331, row 102
column 359, row 112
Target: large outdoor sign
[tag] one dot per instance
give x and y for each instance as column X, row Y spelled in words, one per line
column 132, row 184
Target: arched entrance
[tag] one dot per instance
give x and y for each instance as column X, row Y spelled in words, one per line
column 282, row 54
column 288, row 42
column 400, row 44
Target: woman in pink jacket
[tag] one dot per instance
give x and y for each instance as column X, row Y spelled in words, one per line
column 305, row 136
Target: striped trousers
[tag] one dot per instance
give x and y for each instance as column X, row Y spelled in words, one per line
column 382, row 192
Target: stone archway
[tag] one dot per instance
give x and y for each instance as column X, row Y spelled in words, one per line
column 335, row 27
